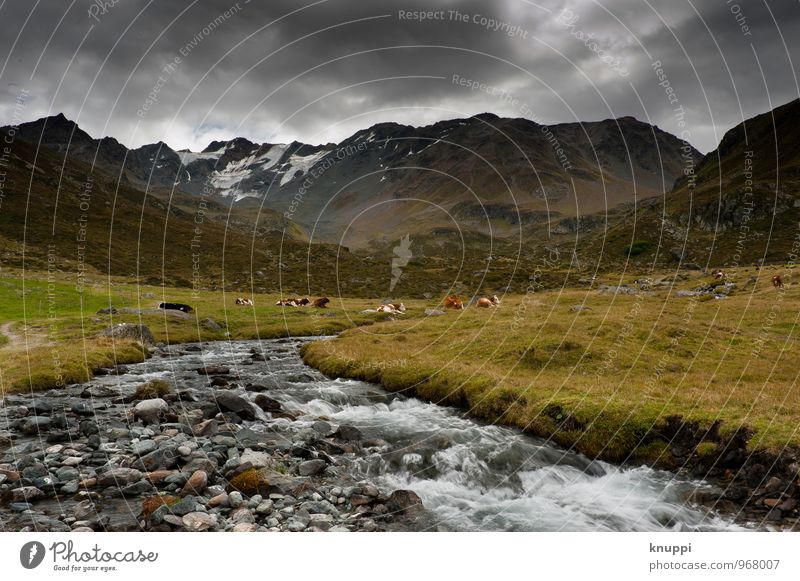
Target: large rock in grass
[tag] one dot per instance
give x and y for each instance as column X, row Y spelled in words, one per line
column 130, row 332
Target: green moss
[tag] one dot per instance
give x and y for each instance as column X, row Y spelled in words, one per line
column 151, row 503
column 706, row 450
column 250, row 482
column 655, row 453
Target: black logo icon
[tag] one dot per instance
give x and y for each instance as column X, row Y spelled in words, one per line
column 31, row 554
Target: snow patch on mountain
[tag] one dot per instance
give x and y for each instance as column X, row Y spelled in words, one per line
column 301, row 164
column 273, row 156
column 188, row 157
column 229, row 177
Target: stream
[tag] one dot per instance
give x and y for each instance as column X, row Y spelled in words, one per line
column 471, row 476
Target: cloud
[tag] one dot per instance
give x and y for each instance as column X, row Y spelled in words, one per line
column 189, row 72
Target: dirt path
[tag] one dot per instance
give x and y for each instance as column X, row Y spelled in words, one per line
column 15, row 339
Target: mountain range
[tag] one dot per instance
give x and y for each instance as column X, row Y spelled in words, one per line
column 483, row 173
column 481, row 199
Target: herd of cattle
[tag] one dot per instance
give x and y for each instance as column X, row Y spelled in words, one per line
column 319, row 303
column 451, row 302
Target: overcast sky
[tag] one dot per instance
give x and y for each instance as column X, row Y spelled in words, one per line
column 280, row 70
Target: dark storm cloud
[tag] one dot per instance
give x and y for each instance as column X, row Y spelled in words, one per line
column 189, row 72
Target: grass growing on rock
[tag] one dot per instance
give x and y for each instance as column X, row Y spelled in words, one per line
column 250, row 482
column 153, row 389
column 152, row 503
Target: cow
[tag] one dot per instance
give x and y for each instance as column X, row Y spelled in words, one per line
column 321, row 302
column 453, row 302
column 719, row 275
column 241, row 301
column 392, row 308
column 486, row 303
column 286, row 303
column 176, row 307
column 302, row 302
column 777, row 281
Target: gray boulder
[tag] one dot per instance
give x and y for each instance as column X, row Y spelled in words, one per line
column 129, row 332
column 150, row 410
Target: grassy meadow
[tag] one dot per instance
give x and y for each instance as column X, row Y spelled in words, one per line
column 48, row 330
column 598, row 371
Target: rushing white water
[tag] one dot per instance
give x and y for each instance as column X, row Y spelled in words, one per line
column 470, row 476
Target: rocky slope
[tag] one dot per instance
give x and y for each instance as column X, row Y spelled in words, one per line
column 483, row 173
column 740, row 207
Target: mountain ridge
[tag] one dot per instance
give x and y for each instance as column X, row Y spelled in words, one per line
column 441, row 166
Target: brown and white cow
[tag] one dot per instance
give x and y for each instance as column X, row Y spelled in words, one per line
column 486, row 303
column 453, row 302
column 719, row 275
column 392, row 308
column 242, row 301
column 777, row 281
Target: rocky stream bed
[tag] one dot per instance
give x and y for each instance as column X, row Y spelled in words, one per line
column 248, row 438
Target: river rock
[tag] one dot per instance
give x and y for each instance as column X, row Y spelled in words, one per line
column 295, row 526
column 11, row 475
column 322, row 428
column 406, row 502
column 67, row 473
column 311, row 467
column 150, row 410
column 255, row 459
column 244, row 527
column 163, row 458
column 235, row 403
column 348, row 433
column 199, row 521
column 213, row 370
column 89, row 427
column 220, row 499
column 206, row 428
column 143, row 447
column 235, row 499
column 242, row 515
column 36, row 470
column 36, row 425
column 267, row 403
column 196, row 484
column 25, row 494
column 118, row 477
column 83, row 409
column 137, row 488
